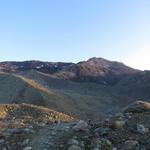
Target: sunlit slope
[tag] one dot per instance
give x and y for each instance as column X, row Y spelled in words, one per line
column 74, row 99
column 17, row 89
column 21, row 115
column 86, row 100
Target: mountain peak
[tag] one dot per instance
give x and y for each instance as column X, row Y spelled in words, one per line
column 102, row 60
column 95, row 69
column 98, row 70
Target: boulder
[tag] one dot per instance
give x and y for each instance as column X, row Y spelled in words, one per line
column 130, row 144
column 73, row 142
column 74, row 147
column 102, row 131
column 141, row 129
column 28, row 148
column 116, row 124
column 81, row 126
column 137, row 107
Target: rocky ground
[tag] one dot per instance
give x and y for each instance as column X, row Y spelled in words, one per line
column 128, row 130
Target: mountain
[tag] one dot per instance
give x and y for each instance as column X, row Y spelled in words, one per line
column 97, row 70
column 89, row 89
column 72, row 98
column 19, row 89
column 41, row 104
column 45, row 67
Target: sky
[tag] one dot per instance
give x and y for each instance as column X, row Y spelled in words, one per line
column 75, row 30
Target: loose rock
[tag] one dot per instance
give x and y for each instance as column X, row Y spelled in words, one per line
column 81, row 126
column 130, row 144
column 141, row 129
column 74, row 147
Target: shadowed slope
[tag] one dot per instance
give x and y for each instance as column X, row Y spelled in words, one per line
column 75, row 99
column 96, row 87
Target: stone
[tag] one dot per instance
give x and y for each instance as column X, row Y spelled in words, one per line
column 102, row 130
column 106, row 144
column 67, row 128
column 61, row 146
column 141, row 129
column 130, row 144
column 117, row 124
column 42, row 124
column 14, row 131
column 137, row 107
column 27, row 130
column 74, row 147
column 73, row 142
column 96, row 148
column 2, row 141
column 30, row 127
column 28, row 148
column 81, row 126
column 25, row 142
column 114, row 148
column 53, row 133
column 82, row 144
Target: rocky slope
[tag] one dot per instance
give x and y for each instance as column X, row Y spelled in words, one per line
column 128, row 130
column 50, row 93
column 18, row 122
column 137, row 85
column 90, row 89
column 97, row 70
column 89, row 94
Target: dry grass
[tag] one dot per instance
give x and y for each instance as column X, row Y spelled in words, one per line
column 20, row 115
column 36, row 85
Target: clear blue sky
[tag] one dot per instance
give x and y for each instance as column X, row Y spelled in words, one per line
column 74, row 30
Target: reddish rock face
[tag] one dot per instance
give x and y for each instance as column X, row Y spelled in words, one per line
column 100, row 70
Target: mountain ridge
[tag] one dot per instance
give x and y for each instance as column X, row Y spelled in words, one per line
column 88, row 89
column 98, row 70
column 71, row 106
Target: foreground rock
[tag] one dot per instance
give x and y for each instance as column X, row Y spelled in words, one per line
column 81, row 126
column 141, row 129
column 20, row 122
column 137, row 107
column 128, row 130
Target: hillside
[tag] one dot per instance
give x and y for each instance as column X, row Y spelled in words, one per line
column 24, row 90
column 137, row 85
column 96, row 88
column 16, row 89
column 73, row 99
column 19, row 115
column 18, row 122
column 97, row 70
column 41, row 104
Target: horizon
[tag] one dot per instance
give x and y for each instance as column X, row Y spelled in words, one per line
column 72, row 62
column 73, row 31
